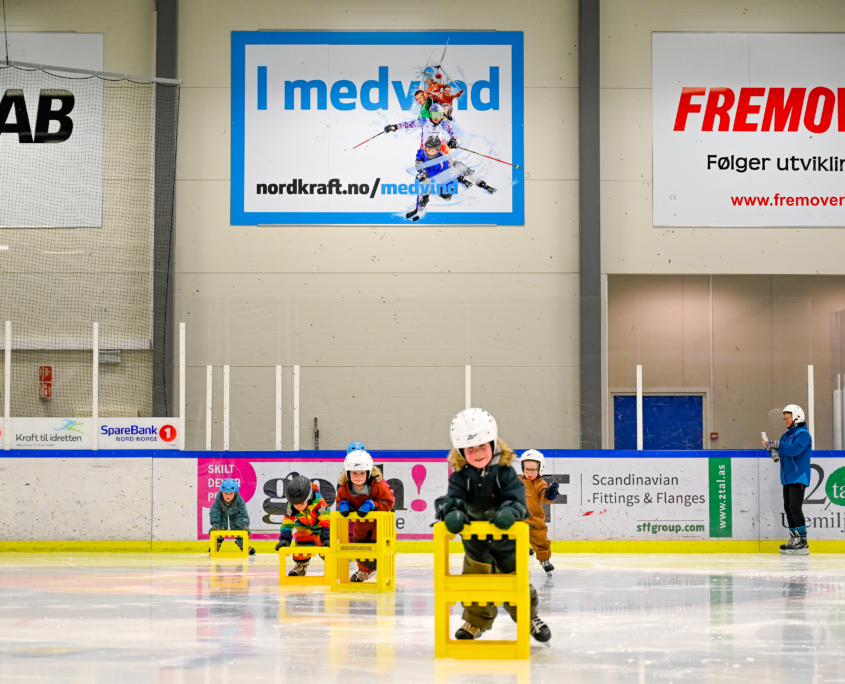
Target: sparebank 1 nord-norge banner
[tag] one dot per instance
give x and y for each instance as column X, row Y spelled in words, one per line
column 749, row 129
column 441, row 114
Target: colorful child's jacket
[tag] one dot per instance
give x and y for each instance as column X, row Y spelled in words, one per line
column 310, row 525
column 379, row 492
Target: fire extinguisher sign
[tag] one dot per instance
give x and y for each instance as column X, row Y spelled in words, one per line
column 45, row 382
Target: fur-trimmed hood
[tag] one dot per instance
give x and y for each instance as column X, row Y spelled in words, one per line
column 502, row 455
column 376, row 475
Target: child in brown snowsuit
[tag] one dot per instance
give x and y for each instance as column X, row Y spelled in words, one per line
column 537, row 492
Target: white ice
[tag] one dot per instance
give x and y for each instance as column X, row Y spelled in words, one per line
column 174, row 619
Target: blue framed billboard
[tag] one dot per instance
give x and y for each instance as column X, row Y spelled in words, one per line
column 345, row 128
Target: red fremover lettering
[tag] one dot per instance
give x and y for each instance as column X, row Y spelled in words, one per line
column 744, row 108
column 715, row 108
column 685, row 107
column 783, row 111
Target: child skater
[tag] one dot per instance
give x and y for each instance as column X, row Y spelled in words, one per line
column 307, row 518
column 228, row 512
column 362, row 489
column 538, row 492
column 794, row 449
column 484, row 486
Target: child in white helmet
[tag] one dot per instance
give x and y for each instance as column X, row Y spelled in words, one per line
column 794, row 449
column 361, row 489
column 538, row 492
column 484, row 486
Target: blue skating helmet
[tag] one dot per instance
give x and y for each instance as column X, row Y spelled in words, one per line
column 355, row 446
column 229, row 485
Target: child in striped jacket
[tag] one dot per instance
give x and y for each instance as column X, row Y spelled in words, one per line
column 306, row 520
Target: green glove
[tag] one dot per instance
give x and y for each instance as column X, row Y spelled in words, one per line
column 504, row 518
column 455, row 521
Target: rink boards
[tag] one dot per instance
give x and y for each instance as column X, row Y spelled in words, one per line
column 610, row 500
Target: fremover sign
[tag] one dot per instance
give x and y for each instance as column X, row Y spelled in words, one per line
column 749, row 129
column 377, row 128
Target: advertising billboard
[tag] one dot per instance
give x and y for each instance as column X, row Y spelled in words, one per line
column 377, row 128
column 749, row 129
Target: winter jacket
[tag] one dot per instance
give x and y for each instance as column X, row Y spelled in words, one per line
column 310, row 524
column 434, row 169
column 379, row 492
column 794, row 448
column 443, row 130
column 229, row 516
column 484, row 491
column 535, row 497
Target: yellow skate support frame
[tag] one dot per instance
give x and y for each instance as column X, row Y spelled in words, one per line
column 241, row 553
column 451, row 589
column 318, row 580
column 382, row 551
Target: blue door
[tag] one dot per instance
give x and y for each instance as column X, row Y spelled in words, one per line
column 669, row 422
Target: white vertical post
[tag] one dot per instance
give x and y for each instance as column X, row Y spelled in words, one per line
column 278, row 408
column 296, row 408
column 181, row 386
column 811, row 404
column 639, row 408
column 95, row 396
column 225, row 408
column 468, row 385
column 209, row 399
column 7, row 387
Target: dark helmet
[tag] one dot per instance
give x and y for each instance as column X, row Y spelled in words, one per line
column 433, row 141
column 298, row 490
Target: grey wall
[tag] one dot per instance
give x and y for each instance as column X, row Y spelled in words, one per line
column 382, row 319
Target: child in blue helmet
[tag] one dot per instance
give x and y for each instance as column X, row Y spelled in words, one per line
column 228, row 512
column 355, row 446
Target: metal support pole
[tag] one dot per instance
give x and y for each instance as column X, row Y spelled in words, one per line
column 639, row 408
column 296, row 408
column 225, row 408
column 181, row 386
column 811, row 404
column 209, row 399
column 7, row 387
column 278, row 408
column 468, row 385
column 95, row 389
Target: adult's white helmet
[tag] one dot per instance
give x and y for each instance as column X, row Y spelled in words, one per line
column 473, row 427
column 358, row 460
column 797, row 413
column 533, row 455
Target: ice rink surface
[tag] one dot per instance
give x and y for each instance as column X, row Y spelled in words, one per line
column 103, row 618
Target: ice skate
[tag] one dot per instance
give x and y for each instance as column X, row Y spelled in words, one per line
column 540, row 630
column 797, row 546
column 786, row 546
column 547, row 565
column 530, row 551
column 481, row 184
column 362, row 575
column 299, row 570
column 251, row 551
column 470, row 631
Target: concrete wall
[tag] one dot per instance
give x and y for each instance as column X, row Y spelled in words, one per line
column 766, row 331
column 382, row 319
column 629, row 242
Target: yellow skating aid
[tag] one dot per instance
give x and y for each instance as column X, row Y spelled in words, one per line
column 344, row 549
column 229, row 534
column 451, row 589
column 319, row 580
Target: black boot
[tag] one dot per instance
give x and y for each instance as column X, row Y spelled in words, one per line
column 540, row 630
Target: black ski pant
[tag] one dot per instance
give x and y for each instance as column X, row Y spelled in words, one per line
column 793, row 501
column 491, row 557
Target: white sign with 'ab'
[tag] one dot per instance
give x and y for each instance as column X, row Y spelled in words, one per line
column 749, row 129
column 377, row 128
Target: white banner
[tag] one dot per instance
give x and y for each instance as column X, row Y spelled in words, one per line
column 138, row 433
column 749, row 129
column 51, row 144
column 303, row 104
column 52, row 433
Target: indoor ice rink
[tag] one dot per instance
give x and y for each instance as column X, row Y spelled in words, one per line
column 369, row 341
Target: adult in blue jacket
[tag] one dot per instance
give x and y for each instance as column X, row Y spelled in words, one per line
column 794, row 449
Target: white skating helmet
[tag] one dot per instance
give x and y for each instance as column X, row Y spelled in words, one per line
column 533, row 455
column 796, row 411
column 472, row 427
column 358, row 460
